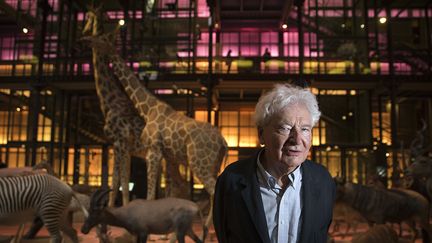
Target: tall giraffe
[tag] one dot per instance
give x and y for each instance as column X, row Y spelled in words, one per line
column 123, row 125
column 168, row 134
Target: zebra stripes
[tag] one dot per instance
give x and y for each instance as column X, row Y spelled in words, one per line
column 40, row 195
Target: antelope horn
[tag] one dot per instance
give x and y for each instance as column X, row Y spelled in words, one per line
column 98, row 196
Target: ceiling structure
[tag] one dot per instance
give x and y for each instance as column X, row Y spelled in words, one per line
column 252, row 14
column 236, row 15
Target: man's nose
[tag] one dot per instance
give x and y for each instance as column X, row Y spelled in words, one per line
column 295, row 136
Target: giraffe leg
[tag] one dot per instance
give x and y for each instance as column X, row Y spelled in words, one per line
column 169, row 179
column 205, row 163
column 177, row 186
column 153, row 158
column 115, row 179
column 125, row 178
column 122, row 155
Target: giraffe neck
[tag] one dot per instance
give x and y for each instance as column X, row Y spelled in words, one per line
column 111, row 95
column 109, row 91
column 145, row 102
column 100, row 74
column 100, row 68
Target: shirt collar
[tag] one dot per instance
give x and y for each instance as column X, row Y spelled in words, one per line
column 266, row 179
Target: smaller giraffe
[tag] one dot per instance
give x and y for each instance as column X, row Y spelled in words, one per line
column 123, row 125
column 168, row 134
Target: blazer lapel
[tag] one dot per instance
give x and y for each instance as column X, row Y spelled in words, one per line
column 311, row 195
column 252, row 198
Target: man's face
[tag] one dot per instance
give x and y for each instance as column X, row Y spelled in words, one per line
column 287, row 136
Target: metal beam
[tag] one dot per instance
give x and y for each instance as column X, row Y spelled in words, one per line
column 286, row 11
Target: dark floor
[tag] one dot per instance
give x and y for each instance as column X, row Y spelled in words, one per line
column 118, row 235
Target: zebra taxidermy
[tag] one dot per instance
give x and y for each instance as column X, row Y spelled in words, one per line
column 22, row 198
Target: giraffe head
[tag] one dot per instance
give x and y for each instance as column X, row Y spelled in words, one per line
column 93, row 24
column 103, row 43
column 93, row 32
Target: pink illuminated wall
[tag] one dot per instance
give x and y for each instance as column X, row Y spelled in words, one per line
column 291, row 47
column 183, row 46
column 255, row 43
column 311, row 44
column 28, row 6
column 230, row 41
column 7, row 46
column 202, row 45
column 23, row 49
column 83, row 68
column 249, row 43
column 203, row 10
column 51, row 46
column 115, row 14
column 269, row 40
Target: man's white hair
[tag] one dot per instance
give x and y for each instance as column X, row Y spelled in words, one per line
column 281, row 96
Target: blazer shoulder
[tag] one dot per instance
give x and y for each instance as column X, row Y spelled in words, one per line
column 318, row 169
column 240, row 168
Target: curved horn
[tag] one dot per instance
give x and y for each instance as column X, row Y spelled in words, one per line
column 97, row 197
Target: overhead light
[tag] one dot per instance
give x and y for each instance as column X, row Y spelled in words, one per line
column 25, row 30
column 284, row 26
column 382, row 20
column 216, row 25
column 121, row 22
column 343, row 25
column 362, row 26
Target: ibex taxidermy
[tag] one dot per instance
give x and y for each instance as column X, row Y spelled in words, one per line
column 144, row 217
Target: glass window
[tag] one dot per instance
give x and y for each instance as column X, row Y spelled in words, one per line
column 269, row 40
column 230, row 41
column 238, row 128
column 249, row 44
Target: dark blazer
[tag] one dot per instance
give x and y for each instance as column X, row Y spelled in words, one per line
column 238, row 213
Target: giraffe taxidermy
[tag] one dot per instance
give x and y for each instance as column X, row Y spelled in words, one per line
column 170, row 135
column 123, row 124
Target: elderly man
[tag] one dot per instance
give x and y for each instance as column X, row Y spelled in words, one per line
column 278, row 195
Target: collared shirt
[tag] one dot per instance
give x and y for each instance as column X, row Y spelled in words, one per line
column 282, row 207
